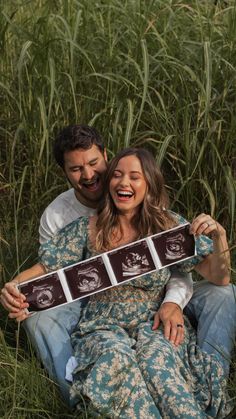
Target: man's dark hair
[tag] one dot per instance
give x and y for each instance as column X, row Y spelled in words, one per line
column 73, row 137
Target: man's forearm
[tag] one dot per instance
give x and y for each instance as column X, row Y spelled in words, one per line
column 33, row 272
column 179, row 288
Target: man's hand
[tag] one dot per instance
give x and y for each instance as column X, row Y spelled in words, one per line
column 171, row 316
column 13, row 301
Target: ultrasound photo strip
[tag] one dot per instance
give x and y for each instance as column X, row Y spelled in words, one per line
column 109, row 269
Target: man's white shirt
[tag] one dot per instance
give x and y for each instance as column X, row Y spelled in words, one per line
column 66, row 208
column 62, row 211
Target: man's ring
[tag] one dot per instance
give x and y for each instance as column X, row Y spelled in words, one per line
column 180, row 325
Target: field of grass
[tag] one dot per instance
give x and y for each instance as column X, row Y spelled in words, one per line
column 158, row 73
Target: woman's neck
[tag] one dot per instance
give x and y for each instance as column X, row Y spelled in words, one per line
column 125, row 231
column 123, row 234
column 125, row 220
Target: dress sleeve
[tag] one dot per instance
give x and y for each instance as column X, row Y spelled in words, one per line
column 204, row 247
column 68, row 246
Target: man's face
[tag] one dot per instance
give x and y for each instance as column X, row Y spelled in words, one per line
column 85, row 171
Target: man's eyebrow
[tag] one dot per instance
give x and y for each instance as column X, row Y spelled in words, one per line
column 81, row 165
column 93, row 160
column 75, row 165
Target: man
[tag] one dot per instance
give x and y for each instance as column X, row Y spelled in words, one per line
column 80, row 153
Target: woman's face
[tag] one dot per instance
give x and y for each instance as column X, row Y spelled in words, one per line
column 128, row 185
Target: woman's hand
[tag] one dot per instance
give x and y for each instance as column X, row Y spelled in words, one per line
column 205, row 224
column 171, row 316
column 14, row 301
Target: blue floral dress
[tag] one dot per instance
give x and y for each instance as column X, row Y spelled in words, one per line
column 125, row 369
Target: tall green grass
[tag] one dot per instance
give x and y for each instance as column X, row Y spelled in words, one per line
column 160, row 74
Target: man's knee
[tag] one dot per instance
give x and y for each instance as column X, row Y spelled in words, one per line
column 42, row 321
column 61, row 320
column 31, row 322
column 226, row 292
column 207, row 290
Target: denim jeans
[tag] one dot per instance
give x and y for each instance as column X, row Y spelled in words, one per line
column 212, row 308
column 49, row 333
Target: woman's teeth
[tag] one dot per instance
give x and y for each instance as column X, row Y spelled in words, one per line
column 125, row 194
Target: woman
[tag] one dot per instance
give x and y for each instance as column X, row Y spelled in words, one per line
column 125, row 368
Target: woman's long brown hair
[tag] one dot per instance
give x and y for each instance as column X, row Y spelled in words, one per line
column 152, row 216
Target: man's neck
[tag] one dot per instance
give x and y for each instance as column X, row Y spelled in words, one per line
column 85, row 202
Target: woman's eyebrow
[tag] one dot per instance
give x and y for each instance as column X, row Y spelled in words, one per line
column 132, row 171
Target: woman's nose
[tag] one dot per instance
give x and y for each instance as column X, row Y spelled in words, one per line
column 124, row 181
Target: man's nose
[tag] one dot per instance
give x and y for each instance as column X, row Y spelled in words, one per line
column 88, row 172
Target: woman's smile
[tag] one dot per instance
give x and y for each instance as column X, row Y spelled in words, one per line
column 124, row 195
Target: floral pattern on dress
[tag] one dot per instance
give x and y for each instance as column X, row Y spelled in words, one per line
column 125, row 369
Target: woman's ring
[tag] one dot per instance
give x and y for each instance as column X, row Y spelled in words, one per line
column 180, row 325
column 209, row 224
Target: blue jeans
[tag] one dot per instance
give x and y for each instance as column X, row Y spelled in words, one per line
column 212, row 308
column 49, row 332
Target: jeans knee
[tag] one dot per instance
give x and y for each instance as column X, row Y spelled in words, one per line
column 30, row 323
column 61, row 320
column 225, row 293
column 210, row 293
column 38, row 323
